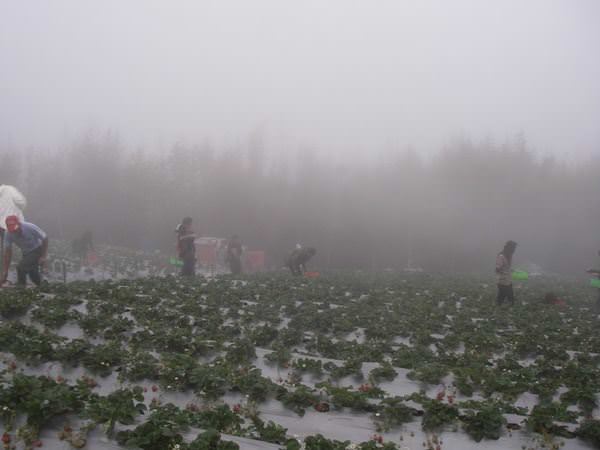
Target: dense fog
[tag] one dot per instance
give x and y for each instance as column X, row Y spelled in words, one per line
column 453, row 211
column 331, row 124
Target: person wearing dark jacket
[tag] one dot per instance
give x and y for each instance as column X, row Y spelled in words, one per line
column 504, row 273
column 234, row 255
column 83, row 245
column 297, row 260
column 186, row 247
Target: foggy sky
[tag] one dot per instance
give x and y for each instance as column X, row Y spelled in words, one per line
column 336, row 75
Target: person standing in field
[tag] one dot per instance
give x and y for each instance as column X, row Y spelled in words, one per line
column 186, row 248
column 33, row 243
column 504, row 273
column 297, row 260
column 83, row 246
column 596, row 272
column 234, row 255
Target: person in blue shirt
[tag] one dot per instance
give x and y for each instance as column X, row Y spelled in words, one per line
column 33, row 243
column 234, row 255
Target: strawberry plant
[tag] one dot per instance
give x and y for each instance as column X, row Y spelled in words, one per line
column 297, row 399
column 161, row 431
column 241, row 352
column 344, row 397
column 590, row 431
column 486, row 423
column 253, row 384
column 220, row 418
column 39, row 399
column 544, row 415
column 313, row 366
column 139, row 366
column 385, row 372
column 209, row 440
column 121, row 406
column 438, row 414
column 391, row 413
column 319, row 442
column 269, row 432
column 281, row 356
column 27, row 343
column 15, row 304
column 102, row 358
column 210, row 380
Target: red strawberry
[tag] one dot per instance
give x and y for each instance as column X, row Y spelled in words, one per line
column 237, row 408
column 322, row 407
column 154, row 388
column 377, row 438
column 89, row 382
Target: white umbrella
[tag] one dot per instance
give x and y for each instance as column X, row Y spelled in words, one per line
column 12, row 203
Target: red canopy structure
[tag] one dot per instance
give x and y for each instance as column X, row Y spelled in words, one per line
column 254, row 260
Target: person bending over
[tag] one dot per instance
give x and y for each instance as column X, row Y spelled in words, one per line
column 297, row 260
column 33, row 243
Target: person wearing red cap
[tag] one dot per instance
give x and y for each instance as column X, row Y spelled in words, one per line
column 33, row 243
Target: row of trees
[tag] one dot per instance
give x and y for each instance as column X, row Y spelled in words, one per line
column 452, row 211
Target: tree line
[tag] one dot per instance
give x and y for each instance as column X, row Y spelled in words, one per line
column 449, row 212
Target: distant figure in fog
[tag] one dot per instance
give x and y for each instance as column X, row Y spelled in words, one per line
column 596, row 272
column 83, row 245
column 504, row 273
column 234, row 255
column 297, row 260
column 186, row 248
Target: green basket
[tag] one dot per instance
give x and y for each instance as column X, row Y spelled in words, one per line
column 519, row 275
column 176, row 262
column 595, row 282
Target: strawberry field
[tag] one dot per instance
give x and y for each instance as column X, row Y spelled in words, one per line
column 344, row 361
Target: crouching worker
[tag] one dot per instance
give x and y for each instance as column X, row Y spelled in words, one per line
column 297, row 260
column 33, row 243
